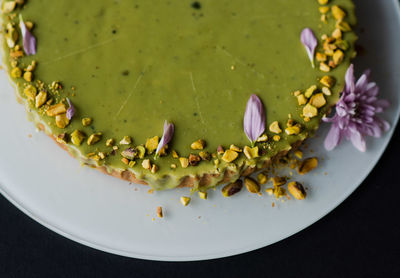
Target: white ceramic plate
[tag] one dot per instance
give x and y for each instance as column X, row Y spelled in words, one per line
column 108, row 214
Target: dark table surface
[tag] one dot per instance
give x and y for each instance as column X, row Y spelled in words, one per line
column 358, row 239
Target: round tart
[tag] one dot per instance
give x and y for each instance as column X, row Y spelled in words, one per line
column 102, row 77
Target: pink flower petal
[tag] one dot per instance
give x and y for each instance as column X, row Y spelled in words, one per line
column 168, row 133
column 254, row 118
column 28, row 40
column 333, row 138
column 310, row 42
column 350, row 80
column 358, row 141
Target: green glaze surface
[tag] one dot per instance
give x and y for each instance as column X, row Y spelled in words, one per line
column 135, row 64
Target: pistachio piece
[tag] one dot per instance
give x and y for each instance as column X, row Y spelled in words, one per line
column 279, row 192
column 235, row 148
column 310, row 111
column 262, row 178
column 307, row 165
column 328, row 81
column 129, row 153
column 56, row 109
column 310, row 91
column 276, row 138
column 151, row 144
column 30, row 92
column 185, row 200
column 292, row 130
column 321, row 57
column 40, row 99
column 278, row 181
column 194, row 159
column 318, row 100
column 251, row 185
column 275, row 128
column 337, row 33
column 229, row 156
column 8, row 7
column 86, row 121
column 326, row 91
column 154, row 168
column 344, row 27
column 301, row 99
column 94, row 138
column 262, row 138
column 127, row 140
column 28, row 76
column 16, row 73
column 324, row 67
column 173, row 166
column 232, row 188
column 62, row 121
column 338, row 13
column 203, row 195
column 160, row 212
column 141, row 151
column 77, row 137
column 297, row 190
column 205, row 155
column 299, row 154
column 125, row 161
column 146, row 164
column 132, row 164
column 323, row 2
column 198, row 145
column 324, row 10
column 62, row 138
column 110, row 142
column 251, row 153
column 175, row 154
column 338, row 57
column 184, row 162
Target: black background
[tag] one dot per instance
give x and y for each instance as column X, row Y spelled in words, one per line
column 358, row 239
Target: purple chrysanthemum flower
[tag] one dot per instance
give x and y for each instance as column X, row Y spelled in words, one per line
column 356, row 113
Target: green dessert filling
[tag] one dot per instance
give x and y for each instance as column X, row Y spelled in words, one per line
column 128, row 66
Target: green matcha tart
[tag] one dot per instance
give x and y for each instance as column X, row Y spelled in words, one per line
column 103, row 77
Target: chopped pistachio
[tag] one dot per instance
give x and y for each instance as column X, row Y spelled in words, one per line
column 16, row 73
column 307, row 165
column 175, row 154
column 297, row 190
column 262, row 138
column 310, row 111
column 129, row 153
column 8, row 7
column 262, row 178
column 146, row 164
column 232, row 188
column 216, row 162
column 310, row 91
column 338, row 13
column 299, row 154
column 203, row 195
column 276, row 138
column 94, row 138
column 337, row 33
column 56, row 109
column 269, row 191
column 328, row 81
column 184, row 162
column 194, row 159
column 205, row 155
column 235, row 148
column 324, row 10
column 323, row 2
column 86, row 121
column 292, row 130
column 152, row 144
column 296, row 93
column 338, row 57
column 77, row 137
column 324, row 67
column 102, row 155
column 251, row 185
column 279, row 192
column 274, row 127
column 141, row 151
column 154, row 168
column 110, row 142
column 28, row 76
column 251, row 153
column 40, row 99
column 198, row 145
column 160, row 212
column 343, row 26
column 126, row 140
column 229, row 156
column 173, row 166
column 131, row 164
column 301, row 99
column 185, row 200
column 321, row 57
column 125, row 161
column 62, row 121
column 30, row 92
column 326, row 91
column 62, row 138
column 318, row 100
column 278, row 181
